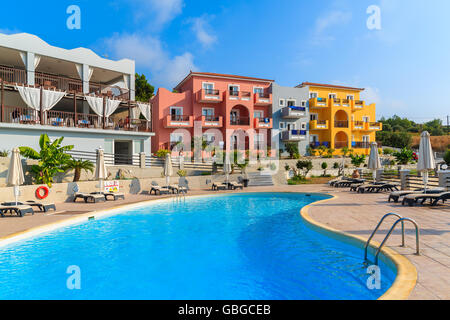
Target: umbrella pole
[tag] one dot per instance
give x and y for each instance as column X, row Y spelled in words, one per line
column 425, row 180
column 167, row 181
column 16, row 194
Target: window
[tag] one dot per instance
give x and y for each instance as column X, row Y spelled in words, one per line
column 176, row 113
column 234, row 90
column 291, row 126
column 282, row 125
column 313, row 95
column 208, row 112
column 303, row 126
column 259, row 114
column 332, row 96
column 281, row 103
column 350, row 97
column 313, row 116
column 303, row 103
column 258, row 90
column 208, row 85
column 366, row 119
column 291, row 102
column 366, row 139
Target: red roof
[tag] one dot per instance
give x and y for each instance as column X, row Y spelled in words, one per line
column 312, row 84
column 220, row 75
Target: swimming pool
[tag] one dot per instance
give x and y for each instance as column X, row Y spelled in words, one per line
column 239, row 246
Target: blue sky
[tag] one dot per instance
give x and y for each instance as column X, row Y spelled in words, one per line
column 404, row 66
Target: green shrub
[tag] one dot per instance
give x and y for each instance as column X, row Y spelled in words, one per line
column 404, row 156
column 447, row 157
column 292, row 149
column 388, row 151
column 161, row 153
column 181, row 173
column 336, row 165
column 357, row 160
column 4, row 153
column 305, row 166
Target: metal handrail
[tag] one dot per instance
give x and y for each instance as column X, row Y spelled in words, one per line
column 390, row 232
column 378, row 226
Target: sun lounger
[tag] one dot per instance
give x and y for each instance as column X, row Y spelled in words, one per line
column 19, row 210
column 236, row 185
column 219, row 186
column 411, row 199
column 377, row 187
column 44, row 207
column 114, row 195
column 396, row 195
column 89, row 198
column 159, row 190
column 347, row 183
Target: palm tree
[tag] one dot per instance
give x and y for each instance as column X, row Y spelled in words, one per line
column 79, row 166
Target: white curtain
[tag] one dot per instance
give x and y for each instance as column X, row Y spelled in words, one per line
column 145, row 110
column 37, row 59
column 111, row 106
column 50, row 98
column 80, row 72
column 31, row 96
column 135, row 113
column 96, row 104
column 126, row 79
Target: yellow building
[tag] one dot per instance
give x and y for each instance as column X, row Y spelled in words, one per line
column 340, row 119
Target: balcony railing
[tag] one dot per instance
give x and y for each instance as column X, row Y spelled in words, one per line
column 65, row 119
column 10, row 74
column 176, row 117
column 212, row 92
column 211, row 118
column 360, row 145
column 240, row 121
column 61, row 83
column 341, row 124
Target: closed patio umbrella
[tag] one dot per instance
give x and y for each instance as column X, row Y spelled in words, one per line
column 227, row 168
column 426, row 158
column 168, row 170
column 100, row 169
column 374, row 159
column 15, row 176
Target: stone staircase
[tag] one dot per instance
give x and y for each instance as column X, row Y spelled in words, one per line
column 256, row 179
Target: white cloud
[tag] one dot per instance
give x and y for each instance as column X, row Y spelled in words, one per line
column 149, row 54
column 202, row 30
column 329, row 20
column 158, row 12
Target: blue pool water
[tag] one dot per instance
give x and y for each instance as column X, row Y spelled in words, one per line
column 241, row 246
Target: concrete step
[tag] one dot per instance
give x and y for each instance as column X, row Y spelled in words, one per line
column 259, row 180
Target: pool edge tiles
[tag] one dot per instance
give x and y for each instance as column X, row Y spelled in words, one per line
column 406, row 278
column 401, row 288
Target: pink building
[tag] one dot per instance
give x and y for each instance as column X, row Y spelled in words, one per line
column 232, row 110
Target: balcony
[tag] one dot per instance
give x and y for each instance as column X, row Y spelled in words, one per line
column 63, row 119
column 211, row 122
column 336, row 102
column 345, row 102
column 14, row 75
column 293, row 135
column 318, row 125
column 358, row 125
column 340, row 144
column 239, row 121
column 358, row 104
column 341, row 124
column 178, row 121
column 209, row 96
column 263, row 99
column 373, row 126
column 263, row 123
column 318, row 103
column 292, row 112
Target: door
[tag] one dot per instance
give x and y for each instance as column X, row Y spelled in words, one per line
column 176, row 113
column 258, row 114
column 234, row 116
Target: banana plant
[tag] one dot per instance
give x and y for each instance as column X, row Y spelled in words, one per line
column 52, row 159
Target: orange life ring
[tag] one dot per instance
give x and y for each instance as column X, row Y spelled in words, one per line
column 42, row 196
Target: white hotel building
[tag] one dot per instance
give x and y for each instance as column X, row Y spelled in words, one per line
column 72, row 93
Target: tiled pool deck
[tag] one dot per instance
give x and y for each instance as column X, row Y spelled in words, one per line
column 353, row 213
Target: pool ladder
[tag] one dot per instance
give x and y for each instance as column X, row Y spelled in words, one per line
column 401, row 220
column 180, row 196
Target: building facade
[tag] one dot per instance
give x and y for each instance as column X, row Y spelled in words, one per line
column 232, row 112
column 291, row 116
column 340, row 119
column 72, row 93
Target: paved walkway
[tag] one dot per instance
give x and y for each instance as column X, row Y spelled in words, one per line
column 353, row 213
